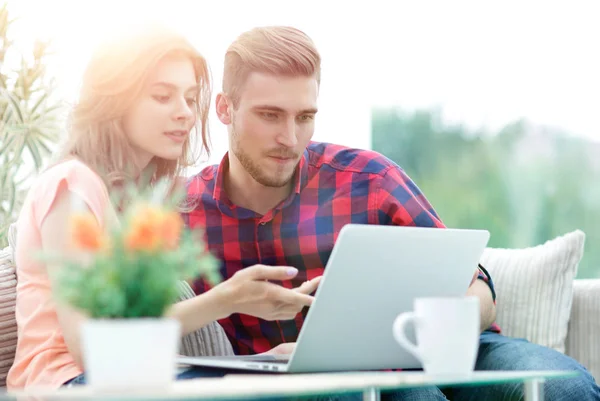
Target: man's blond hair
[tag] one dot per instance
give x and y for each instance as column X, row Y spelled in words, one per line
column 277, row 50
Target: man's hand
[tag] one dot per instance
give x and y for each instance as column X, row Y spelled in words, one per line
column 281, row 349
column 475, row 276
column 487, row 308
column 310, row 286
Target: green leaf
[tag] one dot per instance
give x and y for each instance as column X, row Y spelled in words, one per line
column 41, row 135
column 16, row 107
column 20, row 147
column 39, row 102
column 44, row 147
column 4, row 175
column 35, row 152
column 6, row 147
column 12, row 198
column 8, row 115
column 45, row 115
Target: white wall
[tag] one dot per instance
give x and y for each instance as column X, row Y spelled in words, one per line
column 484, row 63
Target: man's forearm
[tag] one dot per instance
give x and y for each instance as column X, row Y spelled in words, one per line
column 486, row 303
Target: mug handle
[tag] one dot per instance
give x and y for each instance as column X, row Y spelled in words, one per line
column 399, row 333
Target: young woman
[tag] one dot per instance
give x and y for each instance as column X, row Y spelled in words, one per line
column 142, row 99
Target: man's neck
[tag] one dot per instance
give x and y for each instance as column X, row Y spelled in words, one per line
column 244, row 191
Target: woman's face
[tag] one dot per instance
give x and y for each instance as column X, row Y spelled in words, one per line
column 159, row 122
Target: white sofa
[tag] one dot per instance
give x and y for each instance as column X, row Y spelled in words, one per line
column 538, row 297
column 556, row 311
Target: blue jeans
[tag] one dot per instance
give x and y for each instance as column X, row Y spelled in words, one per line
column 496, row 352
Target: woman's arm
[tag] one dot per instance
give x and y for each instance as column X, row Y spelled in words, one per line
column 55, row 238
column 250, row 292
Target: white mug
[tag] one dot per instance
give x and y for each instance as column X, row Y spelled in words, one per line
column 447, row 334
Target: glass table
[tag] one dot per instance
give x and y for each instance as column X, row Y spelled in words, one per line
column 284, row 386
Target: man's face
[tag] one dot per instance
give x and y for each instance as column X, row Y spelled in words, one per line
column 272, row 126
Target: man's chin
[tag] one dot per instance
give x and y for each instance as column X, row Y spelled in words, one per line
column 275, row 177
column 275, row 182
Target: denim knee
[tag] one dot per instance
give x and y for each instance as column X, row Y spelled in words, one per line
column 580, row 388
column 414, row 394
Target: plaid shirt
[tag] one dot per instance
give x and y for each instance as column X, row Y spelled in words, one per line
column 334, row 186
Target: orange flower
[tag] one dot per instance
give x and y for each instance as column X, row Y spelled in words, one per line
column 171, row 226
column 86, row 233
column 152, row 229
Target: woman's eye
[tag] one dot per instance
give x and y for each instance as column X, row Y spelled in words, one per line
column 190, row 101
column 161, row 98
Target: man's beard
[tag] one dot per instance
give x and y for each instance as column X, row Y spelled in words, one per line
column 276, row 180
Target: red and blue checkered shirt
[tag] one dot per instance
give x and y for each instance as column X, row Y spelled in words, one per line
column 334, row 186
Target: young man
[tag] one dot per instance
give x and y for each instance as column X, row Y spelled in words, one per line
column 279, row 199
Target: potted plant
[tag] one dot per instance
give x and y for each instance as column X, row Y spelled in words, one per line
column 124, row 279
column 29, row 123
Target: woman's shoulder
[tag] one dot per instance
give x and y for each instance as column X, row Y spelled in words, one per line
column 72, row 171
column 71, row 167
column 72, row 175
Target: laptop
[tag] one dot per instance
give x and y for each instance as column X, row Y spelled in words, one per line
column 374, row 273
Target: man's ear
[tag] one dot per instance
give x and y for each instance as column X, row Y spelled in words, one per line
column 223, row 111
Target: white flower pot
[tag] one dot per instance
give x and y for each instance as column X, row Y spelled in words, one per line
column 122, row 354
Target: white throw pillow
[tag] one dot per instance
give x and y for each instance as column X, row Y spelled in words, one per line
column 534, row 288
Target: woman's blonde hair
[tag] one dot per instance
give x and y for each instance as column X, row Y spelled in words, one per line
column 112, row 82
column 277, row 50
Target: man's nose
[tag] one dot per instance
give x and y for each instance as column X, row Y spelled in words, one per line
column 287, row 136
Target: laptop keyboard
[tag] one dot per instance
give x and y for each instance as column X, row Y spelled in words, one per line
column 283, row 359
column 264, row 358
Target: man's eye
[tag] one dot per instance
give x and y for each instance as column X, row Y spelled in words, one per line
column 268, row 115
column 307, row 117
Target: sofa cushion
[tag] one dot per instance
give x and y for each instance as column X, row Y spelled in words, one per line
column 12, row 240
column 8, row 325
column 210, row 340
column 584, row 326
column 534, row 288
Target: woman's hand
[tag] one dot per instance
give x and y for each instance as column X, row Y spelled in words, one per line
column 249, row 292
